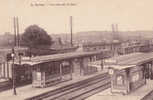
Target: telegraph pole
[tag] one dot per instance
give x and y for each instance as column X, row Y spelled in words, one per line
column 14, row 20
column 71, row 30
column 17, row 29
column 13, row 72
column 16, row 32
column 13, row 55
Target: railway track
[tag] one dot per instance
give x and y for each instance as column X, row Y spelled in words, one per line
column 91, row 91
column 8, row 86
column 74, row 91
column 77, row 92
column 149, row 96
column 5, row 87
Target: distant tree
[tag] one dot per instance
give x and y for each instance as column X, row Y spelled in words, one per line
column 35, row 37
column 6, row 40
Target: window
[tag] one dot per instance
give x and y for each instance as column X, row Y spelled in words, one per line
column 120, row 80
column 66, row 67
column 135, row 77
column 52, row 68
column 38, row 76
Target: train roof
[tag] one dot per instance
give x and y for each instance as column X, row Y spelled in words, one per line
column 129, row 60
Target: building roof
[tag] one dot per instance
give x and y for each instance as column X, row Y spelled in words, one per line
column 64, row 56
column 129, row 60
column 9, row 50
column 58, row 57
column 93, row 44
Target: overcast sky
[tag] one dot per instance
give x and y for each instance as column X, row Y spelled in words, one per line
column 87, row 15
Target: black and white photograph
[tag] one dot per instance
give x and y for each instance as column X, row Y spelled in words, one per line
column 76, row 50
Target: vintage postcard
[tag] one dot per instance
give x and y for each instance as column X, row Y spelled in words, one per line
column 76, row 50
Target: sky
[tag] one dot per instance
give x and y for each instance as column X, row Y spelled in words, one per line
column 88, row 15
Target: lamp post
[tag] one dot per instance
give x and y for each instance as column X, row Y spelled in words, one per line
column 13, row 74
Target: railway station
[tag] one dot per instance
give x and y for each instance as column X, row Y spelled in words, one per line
column 74, row 50
column 94, row 71
column 53, row 71
column 52, row 66
column 48, row 69
column 61, row 67
column 120, row 76
column 30, row 93
column 131, row 77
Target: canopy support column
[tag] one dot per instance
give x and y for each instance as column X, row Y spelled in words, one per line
column 102, row 64
column 81, row 66
column 7, row 69
column 61, row 71
column 4, row 69
column 71, row 68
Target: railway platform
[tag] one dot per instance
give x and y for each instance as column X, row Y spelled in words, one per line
column 29, row 91
column 135, row 95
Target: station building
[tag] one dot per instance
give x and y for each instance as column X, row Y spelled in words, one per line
column 42, row 71
column 129, row 72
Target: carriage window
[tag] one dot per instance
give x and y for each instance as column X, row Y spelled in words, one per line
column 120, row 80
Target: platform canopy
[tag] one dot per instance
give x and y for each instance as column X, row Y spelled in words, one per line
column 95, row 63
column 64, row 56
column 129, row 60
column 58, row 57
